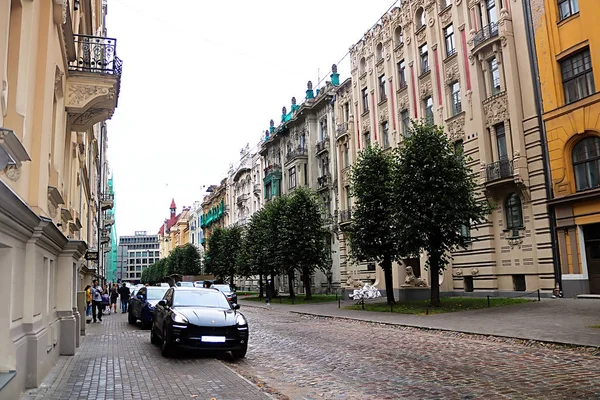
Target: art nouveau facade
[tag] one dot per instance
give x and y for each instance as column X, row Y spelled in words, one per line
column 567, row 45
column 55, row 92
column 299, row 152
column 244, row 188
column 215, row 210
column 457, row 64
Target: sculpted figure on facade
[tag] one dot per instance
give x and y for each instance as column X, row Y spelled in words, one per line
column 411, row 280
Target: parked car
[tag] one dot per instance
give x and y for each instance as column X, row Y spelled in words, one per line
column 199, row 319
column 141, row 307
column 185, row 284
column 201, row 284
column 227, row 291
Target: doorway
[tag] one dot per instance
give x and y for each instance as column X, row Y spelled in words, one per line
column 591, row 236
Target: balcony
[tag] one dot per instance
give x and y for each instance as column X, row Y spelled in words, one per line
column 108, row 218
column 105, row 236
column 345, row 216
column 485, row 34
column 498, row 171
column 242, row 198
column 322, row 145
column 272, row 169
column 257, row 188
column 296, row 153
column 93, row 82
column 324, row 182
column 107, row 201
column 341, row 130
column 326, row 218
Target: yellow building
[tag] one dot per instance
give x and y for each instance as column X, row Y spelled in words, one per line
column 214, row 210
column 59, row 81
column 567, row 44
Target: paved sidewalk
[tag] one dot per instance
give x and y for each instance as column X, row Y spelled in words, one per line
column 563, row 321
column 117, row 361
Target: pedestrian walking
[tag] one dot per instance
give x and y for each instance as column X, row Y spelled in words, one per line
column 105, row 300
column 125, row 294
column 88, row 301
column 268, row 291
column 114, row 295
column 96, row 292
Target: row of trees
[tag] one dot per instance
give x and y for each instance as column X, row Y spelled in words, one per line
column 284, row 237
column 414, row 199
column 185, row 260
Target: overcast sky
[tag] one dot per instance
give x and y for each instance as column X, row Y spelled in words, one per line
column 201, row 79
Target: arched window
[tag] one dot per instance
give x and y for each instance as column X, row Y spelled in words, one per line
column 362, row 66
column 512, row 208
column 420, row 20
column 586, row 163
column 398, row 36
column 379, row 52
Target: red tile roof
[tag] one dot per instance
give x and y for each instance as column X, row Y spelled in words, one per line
column 170, row 222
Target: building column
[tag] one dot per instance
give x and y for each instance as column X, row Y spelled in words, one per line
column 66, row 301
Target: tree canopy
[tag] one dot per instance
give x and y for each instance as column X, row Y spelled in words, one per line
column 183, row 260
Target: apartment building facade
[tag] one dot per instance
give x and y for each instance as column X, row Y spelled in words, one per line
column 59, row 81
column 456, row 64
column 566, row 46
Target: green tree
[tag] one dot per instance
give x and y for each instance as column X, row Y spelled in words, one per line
column 372, row 232
column 435, row 193
column 302, row 237
column 233, row 248
column 191, row 260
column 254, row 258
column 214, row 256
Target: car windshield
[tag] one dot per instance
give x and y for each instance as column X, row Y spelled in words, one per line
column 156, row 293
column 185, row 284
column 200, row 298
column 223, row 288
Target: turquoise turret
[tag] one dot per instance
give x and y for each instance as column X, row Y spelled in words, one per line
column 309, row 91
column 335, row 77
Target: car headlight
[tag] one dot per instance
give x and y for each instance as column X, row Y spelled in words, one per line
column 180, row 319
column 240, row 320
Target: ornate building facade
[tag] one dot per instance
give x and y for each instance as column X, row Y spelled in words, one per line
column 215, row 210
column 59, row 81
column 567, row 46
column 243, row 187
column 455, row 63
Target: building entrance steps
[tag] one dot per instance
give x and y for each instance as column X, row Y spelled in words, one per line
column 560, row 321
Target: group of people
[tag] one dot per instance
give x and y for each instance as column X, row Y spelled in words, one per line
column 104, row 298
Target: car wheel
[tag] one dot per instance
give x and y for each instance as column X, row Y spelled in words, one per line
column 165, row 345
column 130, row 318
column 153, row 338
column 240, row 353
column 146, row 324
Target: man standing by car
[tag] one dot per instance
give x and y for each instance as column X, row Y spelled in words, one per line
column 96, row 301
column 268, row 291
column 125, row 293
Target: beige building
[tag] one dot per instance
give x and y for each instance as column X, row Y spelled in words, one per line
column 462, row 65
column 59, row 80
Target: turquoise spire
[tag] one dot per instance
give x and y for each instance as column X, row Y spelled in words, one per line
column 309, row 91
column 294, row 105
column 335, row 77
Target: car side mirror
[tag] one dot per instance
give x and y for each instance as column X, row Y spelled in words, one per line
column 236, row 306
column 162, row 303
column 140, row 296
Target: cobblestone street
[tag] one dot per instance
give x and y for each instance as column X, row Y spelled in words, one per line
column 116, row 361
column 307, row 357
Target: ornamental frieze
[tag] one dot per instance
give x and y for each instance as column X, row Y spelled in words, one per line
column 365, row 124
column 446, row 16
column 421, row 36
column 399, row 52
column 451, row 71
column 383, row 115
column 426, row 87
column 456, row 127
column 379, row 67
column 402, row 102
column 495, row 109
column 79, row 94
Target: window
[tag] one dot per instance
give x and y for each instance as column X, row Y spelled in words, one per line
column 494, row 76
column 449, row 39
column 501, row 141
column 567, row 8
column 398, row 36
column 577, row 76
column 306, row 174
column 346, row 155
column 401, row 75
column 365, row 100
column 455, row 93
column 292, row 174
column 380, row 53
column 348, row 198
column 323, row 129
column 268, row 191
column 347, row 112
column 420, row 18
column 424, row 58
column 459, row 147
column 382, row 94
column 468, row 280
column 586, row 163
column 385, row 132
column 367, row 139
column 512, row 208
column 465, row 232
column 363, row 66
column 428, row 103
column 405, row 122
column 491, row 12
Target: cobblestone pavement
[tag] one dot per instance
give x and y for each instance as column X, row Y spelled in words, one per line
column 307, row 357
column 117, row 361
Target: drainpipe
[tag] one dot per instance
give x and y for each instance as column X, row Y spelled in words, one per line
column 100, row 145
column 89, row 221
column 539, row 109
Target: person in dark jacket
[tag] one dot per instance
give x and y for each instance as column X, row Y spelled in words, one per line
column 125, row 293
column 268, row 291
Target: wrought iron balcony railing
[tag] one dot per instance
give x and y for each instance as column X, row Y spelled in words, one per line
column 107, row 196
column 294, row 153
column 345, row 216
column 341, row 129
column 499, row 170
column 485, row 33
column 323, row 181
column 322, row 145
column 96, row 54
column 272, row 168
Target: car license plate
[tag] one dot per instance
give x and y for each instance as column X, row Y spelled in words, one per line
column 213, row 339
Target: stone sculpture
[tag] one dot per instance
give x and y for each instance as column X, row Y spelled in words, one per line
column 411, row 280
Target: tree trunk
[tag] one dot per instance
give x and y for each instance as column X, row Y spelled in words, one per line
column 434, row 270
column 291, row 284
column 231, row 281
column 386, row 265
column 260, row 286
column 306, row 276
